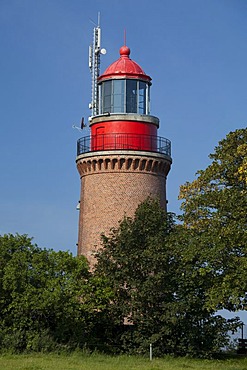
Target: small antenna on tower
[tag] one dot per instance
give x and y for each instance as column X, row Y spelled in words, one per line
column 125, row 37
column 82, row 125
column 94, row 65
column 98, row 19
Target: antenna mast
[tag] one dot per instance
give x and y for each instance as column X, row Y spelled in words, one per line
column 94, row 66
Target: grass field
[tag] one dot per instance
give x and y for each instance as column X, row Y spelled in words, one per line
column 82, row 361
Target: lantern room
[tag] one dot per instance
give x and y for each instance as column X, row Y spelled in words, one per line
column 124, row 87
column 124, row 96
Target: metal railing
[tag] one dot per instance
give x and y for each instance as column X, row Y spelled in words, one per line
column 103, row 142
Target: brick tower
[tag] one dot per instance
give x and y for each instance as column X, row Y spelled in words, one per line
column 123, row 161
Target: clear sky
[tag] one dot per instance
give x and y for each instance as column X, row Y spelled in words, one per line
column 194, row 50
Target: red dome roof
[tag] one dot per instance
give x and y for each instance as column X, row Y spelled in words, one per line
column 124, row 67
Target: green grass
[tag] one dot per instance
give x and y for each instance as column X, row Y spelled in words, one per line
column 81, row 361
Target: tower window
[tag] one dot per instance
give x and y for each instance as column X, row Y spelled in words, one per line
column 106, row 96
column 131, row 96
column 142, row 97
column 124, row 96
column 118, row 96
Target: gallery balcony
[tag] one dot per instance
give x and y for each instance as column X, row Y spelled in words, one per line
column 106, row 142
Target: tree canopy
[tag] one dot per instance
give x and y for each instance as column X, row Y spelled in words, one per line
column 215, row 211
column 154, row 275
column 48, row 298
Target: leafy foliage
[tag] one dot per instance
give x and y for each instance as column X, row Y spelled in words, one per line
column 154, row 274
column 48, row 298
column 215, row 209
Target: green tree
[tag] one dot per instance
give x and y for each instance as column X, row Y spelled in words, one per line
column 215, row 213
column 149, row 265
column 47, row 297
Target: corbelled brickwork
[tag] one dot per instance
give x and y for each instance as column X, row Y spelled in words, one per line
column 113, row 184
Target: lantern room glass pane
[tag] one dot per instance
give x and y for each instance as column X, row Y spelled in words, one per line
column 142, row 98
column 106, row 97
column 118, row 96
column 131, row 96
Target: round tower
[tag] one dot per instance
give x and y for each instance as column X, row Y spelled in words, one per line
column 123, row 161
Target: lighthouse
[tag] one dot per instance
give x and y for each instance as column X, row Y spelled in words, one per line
column 123, row 161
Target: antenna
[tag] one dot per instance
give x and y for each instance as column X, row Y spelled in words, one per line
column 94, row 66
column 98, row 19
column 77, row 128
column 82, row 125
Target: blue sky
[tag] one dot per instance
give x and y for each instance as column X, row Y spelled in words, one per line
column 194, row 50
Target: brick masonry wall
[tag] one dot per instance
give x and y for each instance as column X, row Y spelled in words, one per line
column 113, row 186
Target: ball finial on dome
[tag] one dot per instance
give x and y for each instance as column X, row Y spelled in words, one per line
column 124, row 51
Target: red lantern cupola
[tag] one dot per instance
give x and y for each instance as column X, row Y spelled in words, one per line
column 124, row 67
